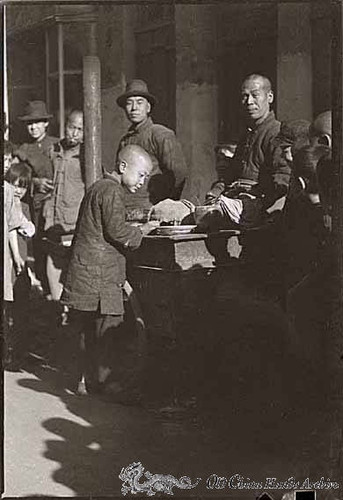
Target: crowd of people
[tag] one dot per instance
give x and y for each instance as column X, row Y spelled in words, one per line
column 278, row 174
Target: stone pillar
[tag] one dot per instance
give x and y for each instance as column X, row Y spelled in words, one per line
column 92, row 118
column 294, row 71
column 335, row 337
column 196, row 94
column 321, row 40
column 117, row 56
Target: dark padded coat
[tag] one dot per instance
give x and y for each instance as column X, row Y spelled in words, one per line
column 169, row 167
column 254, row 161
column 97, row 270
column 37, row 155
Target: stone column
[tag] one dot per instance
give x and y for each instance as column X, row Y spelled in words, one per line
column 335, row 337
column 117, row 56
column 92, row 118
column 294, row 69
column 196, row 94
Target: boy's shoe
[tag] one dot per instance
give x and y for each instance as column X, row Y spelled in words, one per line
column 86, row 387
column 82, row 389
column 62, row 318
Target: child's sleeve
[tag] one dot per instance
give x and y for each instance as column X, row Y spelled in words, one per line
column 14, row 246
column 27, row 228
column 20, row 222
column 116, row 229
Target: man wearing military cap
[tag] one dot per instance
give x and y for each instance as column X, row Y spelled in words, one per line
column 169, row 168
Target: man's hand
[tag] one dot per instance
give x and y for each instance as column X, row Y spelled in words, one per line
column 277, row 206
column 148, row 227
column 213, row 194
column 43, row 185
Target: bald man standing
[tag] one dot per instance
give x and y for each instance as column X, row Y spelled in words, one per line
column 97, row 270
column 258, row 180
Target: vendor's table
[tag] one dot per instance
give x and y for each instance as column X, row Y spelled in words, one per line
column 174, row 281
column 170, row 276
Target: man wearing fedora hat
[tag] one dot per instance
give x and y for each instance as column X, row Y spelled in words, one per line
column 36, row 150
column 169, row 167
column 35, row 153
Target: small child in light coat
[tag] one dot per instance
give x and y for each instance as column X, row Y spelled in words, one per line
column 17, row 181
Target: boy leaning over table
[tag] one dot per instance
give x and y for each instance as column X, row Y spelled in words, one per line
column 93, row 288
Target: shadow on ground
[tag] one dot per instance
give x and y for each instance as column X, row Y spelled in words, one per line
column 259, row 406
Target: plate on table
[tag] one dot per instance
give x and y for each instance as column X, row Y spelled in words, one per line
column 172, row 230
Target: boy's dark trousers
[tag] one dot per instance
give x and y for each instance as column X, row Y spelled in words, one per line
column 97, row 336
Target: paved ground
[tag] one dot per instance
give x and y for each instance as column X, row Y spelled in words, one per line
column 260, row 412
column 62, row 445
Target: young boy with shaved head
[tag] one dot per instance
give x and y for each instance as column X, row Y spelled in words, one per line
column 97, row 270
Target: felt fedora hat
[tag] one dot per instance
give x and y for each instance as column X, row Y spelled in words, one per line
column 35, row 110
column 136, row 88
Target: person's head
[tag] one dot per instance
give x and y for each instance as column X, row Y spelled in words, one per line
column 134, row 165
column 19, row 175
column 256, row 97
column 36, row 119
column 74, row 128
column 37, row 129
column 314, row 173
column 321, row 131
column 136, row 101
column 9, row 155
column 293, row 135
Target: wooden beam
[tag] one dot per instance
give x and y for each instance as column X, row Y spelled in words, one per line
column 61, row 78
column 47, row 69
column 142, row 2
column 5, row 79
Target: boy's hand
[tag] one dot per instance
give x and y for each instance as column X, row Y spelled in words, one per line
column 19, row 265
column 148, row 227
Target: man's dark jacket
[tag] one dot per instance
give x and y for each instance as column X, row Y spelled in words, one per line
column 254, row 161
column 37, row 155
column 169, row 167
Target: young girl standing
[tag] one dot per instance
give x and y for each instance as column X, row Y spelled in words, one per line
column 17, row 181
